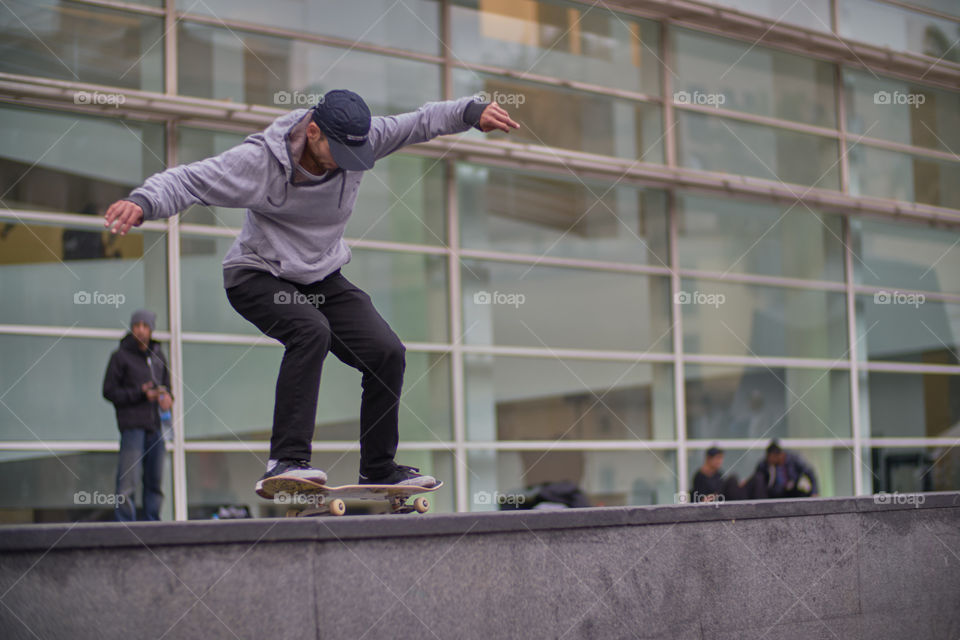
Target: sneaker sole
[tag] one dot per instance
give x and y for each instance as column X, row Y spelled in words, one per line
column 270, row 487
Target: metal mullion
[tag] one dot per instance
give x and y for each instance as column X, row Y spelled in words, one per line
column 123, row 6
column 854, row 359
column 679, row 374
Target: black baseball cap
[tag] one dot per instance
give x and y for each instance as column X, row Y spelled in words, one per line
column 344, row 118
column 714, row 451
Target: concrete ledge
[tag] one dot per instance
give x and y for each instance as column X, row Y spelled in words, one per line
column 816, row 568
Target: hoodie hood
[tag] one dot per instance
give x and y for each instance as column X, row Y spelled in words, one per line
column 129, row 343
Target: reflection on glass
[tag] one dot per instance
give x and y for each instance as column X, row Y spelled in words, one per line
column 526, row 305
column 884, row 25
column 566, row 119
column 736, row 75
column 910, row 470
column 560, row 39
column 509, row 398
column 279, row 72
column 910, row 405
column 906, row 327
column 735, row 236
column 907, row 256
column 901, row 111
column 733, row 401
column 33, row 366
column 229, row 395
column 608, row 478
column 215, row 479
column 412, row 24
column 833, row 467
column 749, row 320
column 812, row 14
column 900, row 176
column 710, row 143
column 76, row 42
column 546, row 215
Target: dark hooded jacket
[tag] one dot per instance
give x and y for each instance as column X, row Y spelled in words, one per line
column 128, row 370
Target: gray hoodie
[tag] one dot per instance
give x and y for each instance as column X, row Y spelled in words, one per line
column 295, row 221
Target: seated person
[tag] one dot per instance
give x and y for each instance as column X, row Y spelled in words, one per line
column 783, row 474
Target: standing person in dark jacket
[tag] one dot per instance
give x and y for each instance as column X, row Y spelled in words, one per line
column 784, row 474
column 137, row 382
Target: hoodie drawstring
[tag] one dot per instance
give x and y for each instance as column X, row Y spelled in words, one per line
column 343, row 183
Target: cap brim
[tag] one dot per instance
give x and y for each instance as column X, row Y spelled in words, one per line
column 350, row 158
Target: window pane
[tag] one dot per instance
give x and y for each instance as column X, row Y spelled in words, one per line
column 559, row 216
column 229, row 395
column 76, row 42
column 66, row 486
column 413, row 24
column 56, row 161
column 525, row 305
column 548, row 399
column 907, row 327
column 215, row 479
column 756, row 80
column 719, row 234
column 608, row 478
column 901, row 111
column 900, row 176
column 812, row 14
column 899, row 29
column 910, row 405
column 409, row 290
column 749, row 320
column 560, row 39
column 715, row 144
column 733, row 401
column 566, row 119
column 914, row 469
column 833, row 467
column 60, row 275
column 906, row 255
column 279, row 72
column 33, row 366
column 194, row 145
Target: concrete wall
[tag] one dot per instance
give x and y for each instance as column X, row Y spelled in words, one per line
column 821, row 568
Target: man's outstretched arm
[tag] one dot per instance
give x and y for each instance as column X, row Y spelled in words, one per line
column 232, row 179
column 390, row 133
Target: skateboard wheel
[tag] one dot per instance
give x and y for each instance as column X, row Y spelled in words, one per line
column 421, row 505
column 337, row 507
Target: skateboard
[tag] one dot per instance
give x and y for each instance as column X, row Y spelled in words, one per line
column 307, row 498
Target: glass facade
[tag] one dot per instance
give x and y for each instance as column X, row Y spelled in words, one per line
column 566, row 319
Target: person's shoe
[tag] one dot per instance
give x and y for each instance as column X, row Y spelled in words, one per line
column 287, row 476
column 401, row 475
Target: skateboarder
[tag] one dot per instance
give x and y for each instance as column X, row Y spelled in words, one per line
column 298, row 180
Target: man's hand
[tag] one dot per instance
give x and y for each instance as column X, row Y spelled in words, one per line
column 122, row 215
column 495, row 117
column 150, row 390
column 165, row 401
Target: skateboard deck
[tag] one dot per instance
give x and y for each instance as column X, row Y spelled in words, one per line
column 306, row 498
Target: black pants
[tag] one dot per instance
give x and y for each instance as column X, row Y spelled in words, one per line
column 310, row 320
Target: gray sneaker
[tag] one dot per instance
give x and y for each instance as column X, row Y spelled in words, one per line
column 288, row 476
column 401, row 475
